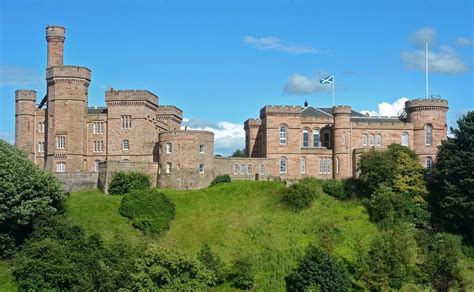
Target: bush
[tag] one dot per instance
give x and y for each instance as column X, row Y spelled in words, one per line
column 26, row 192
column 241, row 274
column 300, row 195
column 212, row 262
column 319, row 271
column 150, row 210
column 335, row 188
column 124, row 182
column 225, row 178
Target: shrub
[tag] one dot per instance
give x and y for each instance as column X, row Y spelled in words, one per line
column 212, row 262
column 26, row 192
column 335, row 188
column 225, row 178
column 241, row 274
column 150, row 210
column 124, row 182
column 319, row 270
column 300, row 195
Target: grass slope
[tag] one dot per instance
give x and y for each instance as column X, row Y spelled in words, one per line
column 6, row 278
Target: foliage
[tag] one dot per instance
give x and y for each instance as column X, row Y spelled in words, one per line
column 25, row 193
column 335, row 188
column 300, row 195
column 239, row 153
column 452, row 180
column 318, row 269
column 150, row 210
column 225, row 178
column 162, row 268
column 124, row 182
column 212, row 262
column 241, row 274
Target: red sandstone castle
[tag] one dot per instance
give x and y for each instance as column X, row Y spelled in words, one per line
column 85, row 145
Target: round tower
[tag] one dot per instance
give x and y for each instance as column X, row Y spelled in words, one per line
column 428, row 116
column 341, row 147
column 55, row 36
column 25, row 108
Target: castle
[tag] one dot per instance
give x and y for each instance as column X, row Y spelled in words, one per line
column 83, row 144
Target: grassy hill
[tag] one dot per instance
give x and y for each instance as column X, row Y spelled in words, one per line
column 240, row 219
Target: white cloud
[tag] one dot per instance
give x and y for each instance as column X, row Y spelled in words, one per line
column 465, row 42
column 13, row 75
column 388, row 109
column 444, row 61
column 298, row 84
column 228, row 136
column 274, row 43
column 422, row 36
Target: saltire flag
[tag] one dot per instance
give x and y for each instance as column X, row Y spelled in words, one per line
column 327, row 80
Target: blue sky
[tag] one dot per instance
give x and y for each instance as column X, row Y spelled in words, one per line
column 220, row 62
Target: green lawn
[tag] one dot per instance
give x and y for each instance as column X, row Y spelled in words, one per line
column 6, row 278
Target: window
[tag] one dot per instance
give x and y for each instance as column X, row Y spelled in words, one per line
column 326, row 139
column 60, row 167
column 379, row 140
column 337, row 165
column 41, row 127
column 169, row 166
column 305, row 138
column 98, row 146
column 201, row 168
column 40, row 146
column 126, row 122
column 429, row 164
column 303, row 165
column 324, row 165
column 249, row 169
column 428, row 134
column 242, row 169
column 236, row 169
column 201, row 148
column 96, row 165
column 98, row 127
column 372, row 139
column 169, row 148
column 405, row 139
column 343, row 137
column 316, row 142
column 262, row 170
column 283, row 134
column 60, row 142
column 125, row 145
column 283, row 165
column 364, row 140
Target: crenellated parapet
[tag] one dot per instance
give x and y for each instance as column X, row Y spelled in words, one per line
column 112, row 95
column 342, row 110
column 426, row 104
column 252, row 123
column 280, row 110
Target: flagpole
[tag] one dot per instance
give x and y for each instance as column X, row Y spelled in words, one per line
column 333, row 81
column 426, row 61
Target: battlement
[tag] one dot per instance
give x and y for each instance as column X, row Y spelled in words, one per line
column 342, row 109
column 281, row 109
column 68, row 72
column 130, row 95
column 25, row 94
column 169, row 109
column 432, row 103
column 185, row 134
column 55, row 33
column 252, row 123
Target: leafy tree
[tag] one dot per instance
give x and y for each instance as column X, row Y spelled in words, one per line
column 452, row 180
column 319, row 270
column 335, row 188
column 300, row 195
column 241, row 274
column 225, row 178
column 124, row 182
column 375, row 169
column 239, row 153
column 162, row 268
column 212, row 262
column 26, row 192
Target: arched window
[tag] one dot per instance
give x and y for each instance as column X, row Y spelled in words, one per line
column 242, row 169
column 428, row 134
column 249, row 169
column 201, row 148
column 125, row 145
column 236, row 169
column 283, row 134
column 262, row 170
column 372, row 139
column 429, row 164
column 337, row 165
column 169, row 166
column 316, row 142
column 343, row 137
column 96, row 165
column 201, row 168
column 303, row 165
column 379, row 140
column 405, row 139
column 169, row 148
column 364, row 140
column 283, row 165
column 305, row 138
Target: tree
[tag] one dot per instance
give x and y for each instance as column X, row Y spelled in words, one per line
column 26, row 192
column 239, row 153
column 452, row 180
column 241, row 274
column 318, row 270
column 211, row 261
column 124, row 182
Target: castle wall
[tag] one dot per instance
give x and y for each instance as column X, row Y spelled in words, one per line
column 76, row 181
column 109, row 167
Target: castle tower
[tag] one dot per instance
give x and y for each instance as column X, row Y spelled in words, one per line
column 67, row 103
column 252, row 141
column 25, row 107
column 55, row 36
column 342, row 156
column 428, row 117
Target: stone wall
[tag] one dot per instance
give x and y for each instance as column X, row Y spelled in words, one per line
column 108, row 168
column 76, row 181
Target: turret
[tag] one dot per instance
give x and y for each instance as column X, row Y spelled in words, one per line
column 25, row 101
column 252, row 140
column 428, row 116
column 55, row 36
column 341, row 147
